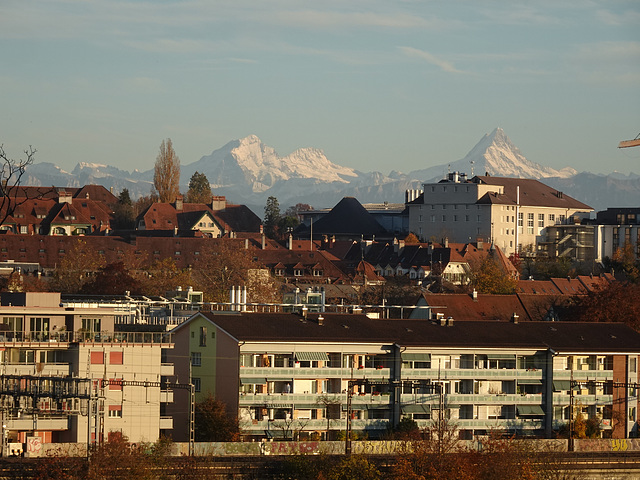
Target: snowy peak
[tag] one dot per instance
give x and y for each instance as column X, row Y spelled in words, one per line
column 249, row 161
column 496, row 155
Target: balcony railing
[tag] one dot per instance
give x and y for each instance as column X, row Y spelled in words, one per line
column 54, row 337
column 318, row 372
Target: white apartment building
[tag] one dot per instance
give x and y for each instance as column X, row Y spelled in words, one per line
column 511, row 213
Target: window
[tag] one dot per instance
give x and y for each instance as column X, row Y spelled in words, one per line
column 203, row 336
column 466, row 218
column 23, row 229
column 115, row 411
column 520, row 219
column 552, row 218
column 196, row 359
column 39, row 328
column 433, row 218
column 455, row 218
column 91, row 325
column 561, row 219
column 529, row 223
column 444, row 218
column 419, row 218
column 479, row 218
column 97, row 358
column 317, row 272
column 541, row 220
column 297, row 272
column 196, row 384
column 116, row 358
column 279, row 272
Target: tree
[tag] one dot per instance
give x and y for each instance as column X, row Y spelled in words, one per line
column 199, row 189
column 411, row 239
column 112, row 279
column 489, row 277
column 354, row 467
column 166, row 174
column 123, row 214
column 163, row 276
column 272, row 217
column 617, row 302
column 624, row 258
column 76, row 268
column 213, row 422
column 10, row 179
column 222, row 264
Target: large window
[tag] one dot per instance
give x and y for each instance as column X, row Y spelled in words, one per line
column 530, row 223
column 39, row 327
column 203, row 336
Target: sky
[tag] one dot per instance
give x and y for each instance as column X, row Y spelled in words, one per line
column 378, row 85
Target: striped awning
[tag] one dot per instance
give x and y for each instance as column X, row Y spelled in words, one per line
column 416, row 408
column 311, row 356
column 529, row 381
column 561, row 385
column 529, row 410
column 500, row 356
column 416, row 357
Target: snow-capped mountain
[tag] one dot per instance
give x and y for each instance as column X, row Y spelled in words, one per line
column 496, row 155
column 248, row 171
column 250, row 163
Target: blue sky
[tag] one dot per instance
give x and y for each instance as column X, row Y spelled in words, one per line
column 377, row 84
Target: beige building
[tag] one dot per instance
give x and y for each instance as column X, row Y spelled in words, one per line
column 512, row 213
column 71, row 374
column 307, row 377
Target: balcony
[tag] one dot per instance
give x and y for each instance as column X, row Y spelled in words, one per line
column 471, row 373
column 288, row 400
column 43, row 369
column 166, row 396
column 491, row 423
column 476, row 399
column 315, row 373
column 166, row 369
column 27, row 422
column 166, row 423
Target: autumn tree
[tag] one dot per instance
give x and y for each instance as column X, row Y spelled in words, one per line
column 199, row 189
column 76, row 268
column 617, row 302
column 624, row 259
column 411, row 239
column 272, row 217
column 144, row 202
column 489, row 277
column 214, row 423
column 112, row 279
column 123, row 212
column 164, row 276
column 166, row 174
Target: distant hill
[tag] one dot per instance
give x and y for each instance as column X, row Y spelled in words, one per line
column 248, row 171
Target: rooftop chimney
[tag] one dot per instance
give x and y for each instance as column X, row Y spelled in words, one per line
column 515, row 317
column 321, row 320
column 179, row 202
column 474, row 295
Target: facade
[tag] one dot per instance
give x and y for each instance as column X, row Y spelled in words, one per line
column 293, row 376
column 512, row 213
column 91, row 377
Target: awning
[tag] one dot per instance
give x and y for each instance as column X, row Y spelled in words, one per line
column 500, row 356
column 561, row 385
column 416, row 408
column 307, row 406
column 416, row 357
column 311, row 356
column 529, row 381
column 279, row 379
column 378, row 407
column 526, row 410
column 247, row 381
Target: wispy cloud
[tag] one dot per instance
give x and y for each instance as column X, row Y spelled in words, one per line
column 444, row 65
column 629, row 17
column 144, row 84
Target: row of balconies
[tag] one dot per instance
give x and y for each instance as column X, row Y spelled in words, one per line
column 59, row 369
column 415, row 373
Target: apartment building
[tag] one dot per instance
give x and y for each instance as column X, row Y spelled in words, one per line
column 512, row 213
column 71, row 374
column 295, row 376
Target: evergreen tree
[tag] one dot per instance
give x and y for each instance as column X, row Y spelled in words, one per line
column 272, row 218
column 199, row 189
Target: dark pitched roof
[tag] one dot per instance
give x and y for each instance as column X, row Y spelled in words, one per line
column 561, row 336
column 348, row 217
column 532, row 193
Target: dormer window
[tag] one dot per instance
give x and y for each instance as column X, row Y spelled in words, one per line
column 297, row 272
column 279, row 272
column 317, row 272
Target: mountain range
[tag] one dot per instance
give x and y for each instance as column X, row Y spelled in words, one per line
column 248, row 171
